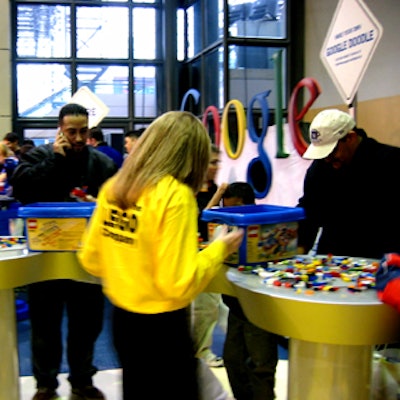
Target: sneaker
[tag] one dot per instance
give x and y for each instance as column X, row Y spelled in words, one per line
column 86, row 393
column 216, row 362
column 45, row 394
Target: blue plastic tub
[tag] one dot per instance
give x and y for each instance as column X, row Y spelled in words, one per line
column 270, row 231
column 55, row 226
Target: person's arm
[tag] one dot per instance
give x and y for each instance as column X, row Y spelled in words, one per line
column 42, row 165
column 306, row 234
column 311, row 201
column 89, row 254
column 215, row 200
column 40, row 171
column 308, row 227
column 184, row 271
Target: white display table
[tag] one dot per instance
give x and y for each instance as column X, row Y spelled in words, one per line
column 331, row 335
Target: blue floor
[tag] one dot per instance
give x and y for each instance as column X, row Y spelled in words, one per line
column 105, row 357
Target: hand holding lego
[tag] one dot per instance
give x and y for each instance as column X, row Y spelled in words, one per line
column 61, row 143
column 81, row 195
column 232, row 239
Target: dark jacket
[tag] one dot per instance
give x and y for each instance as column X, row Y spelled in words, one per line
column 203, row 198
column 356, row 206
column 45, row 176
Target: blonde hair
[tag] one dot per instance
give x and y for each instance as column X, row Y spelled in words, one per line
column 175, row 144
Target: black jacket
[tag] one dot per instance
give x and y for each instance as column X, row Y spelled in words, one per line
column 356, row 206
column 203, row 198
column 45, row 176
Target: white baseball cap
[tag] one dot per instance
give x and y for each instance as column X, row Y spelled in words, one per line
column 326, row 129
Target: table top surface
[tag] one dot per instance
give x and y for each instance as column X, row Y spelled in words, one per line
column 19, row 267
column 342, row 296
column 341, row 317
column 320, row 279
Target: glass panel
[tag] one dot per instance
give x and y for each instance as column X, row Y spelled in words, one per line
column 41, row 136
column 180, row 34
column 193, row 81
column 144, row 33
column 194, row 29
column 214, row 21
column 214, row 84
column 102, row 32
column 145, row 91
column 252, row 71
column 42, row 89
column 257, row 18
column 190, row 31
column 43, row 31
column 109, row 83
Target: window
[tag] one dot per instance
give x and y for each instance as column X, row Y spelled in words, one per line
column 232, row 47
column 257, row 19
column 111, row 47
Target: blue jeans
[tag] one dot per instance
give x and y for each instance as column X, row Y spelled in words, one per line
column 84, row 306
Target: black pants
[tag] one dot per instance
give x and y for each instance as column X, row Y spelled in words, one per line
column 156, row 355
column 84, row 305
column 250, row 358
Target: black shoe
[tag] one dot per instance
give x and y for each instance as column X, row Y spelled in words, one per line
column 45, row 394
column 86, row 393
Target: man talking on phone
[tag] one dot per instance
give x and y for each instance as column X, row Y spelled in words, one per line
column 56, row 172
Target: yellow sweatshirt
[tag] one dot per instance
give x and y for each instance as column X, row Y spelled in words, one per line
column 147, row 256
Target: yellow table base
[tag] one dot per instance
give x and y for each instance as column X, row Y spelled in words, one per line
column 19, row 271
column 9, row 385
column 329, row 372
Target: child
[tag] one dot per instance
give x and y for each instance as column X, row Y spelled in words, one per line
column 250, row 353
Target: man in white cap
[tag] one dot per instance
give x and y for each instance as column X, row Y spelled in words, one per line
column 348, row 190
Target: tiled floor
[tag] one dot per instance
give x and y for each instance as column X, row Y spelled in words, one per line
column 110, row 383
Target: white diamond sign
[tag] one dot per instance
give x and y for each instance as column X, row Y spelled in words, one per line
column 349, row 45
column 96, row 108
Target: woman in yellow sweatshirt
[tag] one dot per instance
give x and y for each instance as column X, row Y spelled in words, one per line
column 142, row 243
